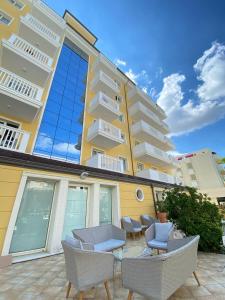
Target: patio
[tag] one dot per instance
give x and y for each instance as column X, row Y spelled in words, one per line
column 45, row 279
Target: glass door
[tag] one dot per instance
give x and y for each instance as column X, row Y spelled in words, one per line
column 31, row 228
column 105, row 205
column 76, row 209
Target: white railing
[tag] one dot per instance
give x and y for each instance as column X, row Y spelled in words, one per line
column 50, row 13
column 106, row 128
column 29, row 50
column 101, row 76
column 106, row 101
column 13, row 138
column 42, row 28
column 147, row 149
column 156, row 175
column 105, row 162
column 135, row 93
column 19, row 86
column 138, row 106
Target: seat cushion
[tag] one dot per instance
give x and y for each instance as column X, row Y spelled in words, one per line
column 137, row 229
column 109, row 245
column 162, row 231
column 157, row 244
column 73, row 242
column 127, row 219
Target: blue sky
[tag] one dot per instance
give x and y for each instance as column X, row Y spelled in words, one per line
column 174, row 50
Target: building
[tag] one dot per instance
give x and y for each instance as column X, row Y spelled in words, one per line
column 203, row 170
column 81, row 144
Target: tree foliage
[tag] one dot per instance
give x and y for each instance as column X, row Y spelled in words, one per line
column 195, row 214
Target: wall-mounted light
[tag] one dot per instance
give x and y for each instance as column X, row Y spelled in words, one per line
column 84, row 175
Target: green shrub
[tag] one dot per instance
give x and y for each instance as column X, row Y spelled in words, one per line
column 195, row 214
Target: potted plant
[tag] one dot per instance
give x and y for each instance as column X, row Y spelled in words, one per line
column 161, row 211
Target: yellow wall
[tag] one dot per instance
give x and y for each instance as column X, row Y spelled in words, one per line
column 6, row 32
column 10, row 178
column 122, row 150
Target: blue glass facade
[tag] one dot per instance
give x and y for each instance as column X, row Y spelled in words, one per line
column 60, row 132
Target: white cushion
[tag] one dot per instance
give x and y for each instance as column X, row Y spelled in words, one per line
column 157, row 244
column 73, row 242
column 162, row 231
column 127, row 219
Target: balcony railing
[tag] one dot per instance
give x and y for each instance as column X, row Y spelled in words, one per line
column 32, row 22
column 103, row 82
column 147, row 150
column 104, row 107
column 50, row 13
column 19, row 86
column 29, row 51
column 143, row 130
column 105, row 162
column 159, row 176
column 106, row 128
column 142, row 112
column 13, row 138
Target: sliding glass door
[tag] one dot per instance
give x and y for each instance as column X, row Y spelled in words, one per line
column 105, row 205
column 32, row 224
column 76, row 209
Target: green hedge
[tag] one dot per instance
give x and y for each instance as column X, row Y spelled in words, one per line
column 195, row 214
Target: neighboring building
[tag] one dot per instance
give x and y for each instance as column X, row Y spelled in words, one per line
column 72, row 110
column 203, row 170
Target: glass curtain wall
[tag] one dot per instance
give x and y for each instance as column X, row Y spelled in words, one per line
column 60, row 132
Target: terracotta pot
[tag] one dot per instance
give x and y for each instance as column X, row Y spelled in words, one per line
column 162, row 216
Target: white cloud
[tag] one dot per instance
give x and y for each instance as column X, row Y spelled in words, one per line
column 133, row 76
column 119, row 62
column 44, row 142
column 210, row 107
column 145, row 89
column 65, row 147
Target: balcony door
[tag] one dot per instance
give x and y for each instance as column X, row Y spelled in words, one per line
column 105, row 205
column 76, row 209
column 32, row 223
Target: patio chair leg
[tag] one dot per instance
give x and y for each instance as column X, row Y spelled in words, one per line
column 68, row 289
column 81, row 295
column 158, row 251
column 130, row 295
column 107, row 290
column 196, row 278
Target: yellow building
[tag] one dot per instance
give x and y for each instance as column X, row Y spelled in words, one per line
column 81, row 144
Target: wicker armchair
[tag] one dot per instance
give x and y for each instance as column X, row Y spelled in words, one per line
column 147, row 220
column 158, row 277
column 86, row 269
column 158, row 234
column 131, row 226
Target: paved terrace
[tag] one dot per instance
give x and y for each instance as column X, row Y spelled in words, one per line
column 44, row 279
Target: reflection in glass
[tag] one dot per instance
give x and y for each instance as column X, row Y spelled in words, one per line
column 105, row 205
column 60, row 133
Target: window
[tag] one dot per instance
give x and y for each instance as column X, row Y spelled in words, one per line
column 17, row 4
column 123, row 137
column 4, row 18
column 97, row 151
column 118, row 99
column 123, row 163
column 139, row 194
column 121, row 118
column 140, row 166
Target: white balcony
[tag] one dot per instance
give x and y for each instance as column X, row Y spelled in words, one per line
column 105, row 84
column 150, row 154
column 38, row 34
column 156, row 175
column 19, row 98
column 13, row 139
column 146, row 133
column 102, row 63
column 25, row 60
column 104, row 134
column 104, row 107
column 48, row 16
column 106, row 162
column 135, row 95
column 138, row 112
